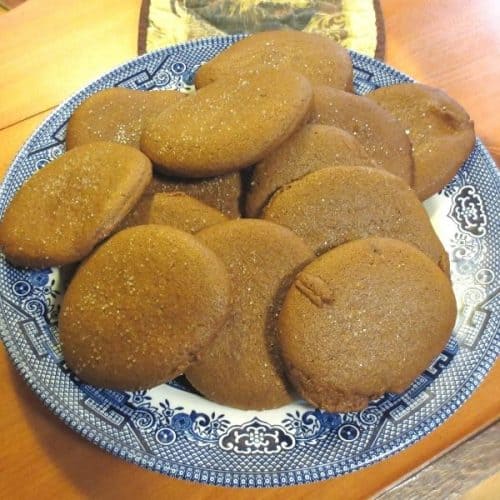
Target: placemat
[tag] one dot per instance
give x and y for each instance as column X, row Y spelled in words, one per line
column 356, row 24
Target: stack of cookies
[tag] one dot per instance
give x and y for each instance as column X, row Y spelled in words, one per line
column 263, row 235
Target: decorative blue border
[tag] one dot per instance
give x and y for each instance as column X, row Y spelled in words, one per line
column 226, row 477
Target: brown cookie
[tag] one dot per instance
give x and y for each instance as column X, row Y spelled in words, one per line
column 311, row 148
column 363, row 319
column 228, row 125
column 376, row 129
column 440, row 130
column 67, row 207
column 173, row 209
column 320, row 59
column 142, row 307
column 117, row 115
column 335, row 205
column 222, row 192
column 241, row 368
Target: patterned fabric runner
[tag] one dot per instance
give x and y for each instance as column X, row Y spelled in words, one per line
column 356, row 24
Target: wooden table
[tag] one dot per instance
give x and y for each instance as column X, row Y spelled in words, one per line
column 49, row 49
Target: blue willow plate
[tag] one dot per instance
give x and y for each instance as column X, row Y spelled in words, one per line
column 173, row 430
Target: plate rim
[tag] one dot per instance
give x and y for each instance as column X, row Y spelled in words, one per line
column 373, row 456
column 387, row 450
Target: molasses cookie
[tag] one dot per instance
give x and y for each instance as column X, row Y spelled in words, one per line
column 335, row 205
column 440, row 130
column 173, row 209
column 228, row 125
column 242, row 368
column 142, row 307
column 363, row 319
column 320, row 59
column 117, row 115
column 381, row 134
column 311, row 148
column 222, row 192
column 68, row 206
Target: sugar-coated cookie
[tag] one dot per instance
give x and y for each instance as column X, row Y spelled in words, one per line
column 222, row 192
column 117, row 114
column 242, row 367
column 440, row 130
column 363, row 319
column 335, row 205
column 68, row 206
column 376, row 129
column 228, row 125
column 311, row 148
column 142, row 307
column 173, row 209
column 320, row 59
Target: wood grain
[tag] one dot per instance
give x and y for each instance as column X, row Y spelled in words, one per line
column 455, row 473
column 45, row 55
column 48, row 53
column 485, row 490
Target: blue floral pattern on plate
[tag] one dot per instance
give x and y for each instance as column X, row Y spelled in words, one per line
column 173, row 430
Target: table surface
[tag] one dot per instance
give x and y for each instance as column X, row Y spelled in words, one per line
column 48, row 50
